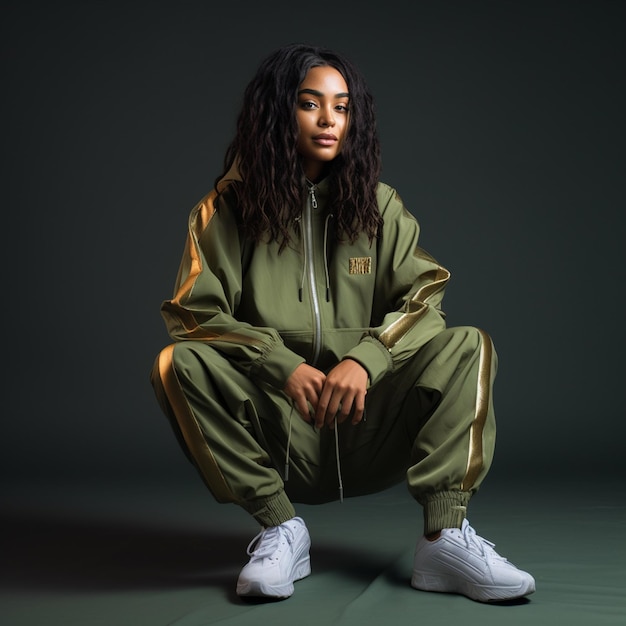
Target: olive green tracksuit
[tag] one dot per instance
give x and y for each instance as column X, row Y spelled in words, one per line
column 243, row 317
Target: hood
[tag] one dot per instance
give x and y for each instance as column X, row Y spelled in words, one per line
column 231, row 175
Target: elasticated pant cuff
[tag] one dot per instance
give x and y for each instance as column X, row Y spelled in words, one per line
column 271, row 511
column 445, row 510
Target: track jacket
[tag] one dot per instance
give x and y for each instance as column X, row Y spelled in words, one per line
column 319, row 301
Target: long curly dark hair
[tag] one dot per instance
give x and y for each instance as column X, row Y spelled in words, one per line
column 273, row 189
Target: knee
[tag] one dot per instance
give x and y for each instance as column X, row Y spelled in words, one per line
column 181, row 359
column 160, row 366
column 188, row 357
column 183, row 356
column 474, row 339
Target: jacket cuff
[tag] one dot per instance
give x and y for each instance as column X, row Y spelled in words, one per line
column 373, row 356
column 277, row 366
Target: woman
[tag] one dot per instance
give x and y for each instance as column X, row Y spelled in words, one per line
column 311, row 352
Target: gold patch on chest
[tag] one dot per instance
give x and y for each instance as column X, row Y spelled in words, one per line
column 361, row 265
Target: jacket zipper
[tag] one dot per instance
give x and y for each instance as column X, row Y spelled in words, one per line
column 308, row 243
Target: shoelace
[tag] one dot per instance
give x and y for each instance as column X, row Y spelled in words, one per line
column 267, row 542
column 482, row 545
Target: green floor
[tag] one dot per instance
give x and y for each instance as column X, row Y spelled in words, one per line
column 132, row 555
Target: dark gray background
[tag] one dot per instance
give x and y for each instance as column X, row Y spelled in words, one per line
column 502, row 126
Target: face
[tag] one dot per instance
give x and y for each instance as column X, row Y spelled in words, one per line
column 322, row 114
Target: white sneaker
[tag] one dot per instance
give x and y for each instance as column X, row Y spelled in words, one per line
column 462, row 562
column 279, row 556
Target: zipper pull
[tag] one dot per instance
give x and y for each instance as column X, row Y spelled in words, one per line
column 313, row 198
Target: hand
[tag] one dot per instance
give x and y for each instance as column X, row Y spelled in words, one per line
column 343, row 394
column 305, row 386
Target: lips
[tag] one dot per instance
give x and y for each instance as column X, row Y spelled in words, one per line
column 325, row 139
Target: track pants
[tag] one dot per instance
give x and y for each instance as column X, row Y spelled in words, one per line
column 431, row 423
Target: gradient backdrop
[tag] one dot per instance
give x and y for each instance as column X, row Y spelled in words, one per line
column 502, row 125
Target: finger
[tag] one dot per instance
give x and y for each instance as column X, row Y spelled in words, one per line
column 347, row 404
column 357, row 416
column 320, row 414
column 303, row 409
column 359, row 408
column 324, row 407
column 333, row 412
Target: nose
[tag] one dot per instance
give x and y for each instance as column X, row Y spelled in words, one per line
column 327, row 118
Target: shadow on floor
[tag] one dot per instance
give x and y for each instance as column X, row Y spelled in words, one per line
column 55, row 552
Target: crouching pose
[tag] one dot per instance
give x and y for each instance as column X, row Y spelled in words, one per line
column 311, row 358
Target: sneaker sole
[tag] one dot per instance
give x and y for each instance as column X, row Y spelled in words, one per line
column 259, row 589
column 445, row 584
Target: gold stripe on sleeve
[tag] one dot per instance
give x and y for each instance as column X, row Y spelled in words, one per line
column 416, row 307
column 197, row 223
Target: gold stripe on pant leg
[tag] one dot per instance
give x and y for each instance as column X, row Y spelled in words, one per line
column 198, row 447
column 475, row 456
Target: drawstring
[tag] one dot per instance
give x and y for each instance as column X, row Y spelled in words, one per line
column 326, row 273
column 304, row 266
column 337, row 456
column 338, row 461
column 286, row 476
column 298, row 223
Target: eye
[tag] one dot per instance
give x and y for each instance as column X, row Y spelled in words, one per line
column 308, row 105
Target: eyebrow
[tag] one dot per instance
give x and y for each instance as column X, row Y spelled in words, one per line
column 319, row 94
